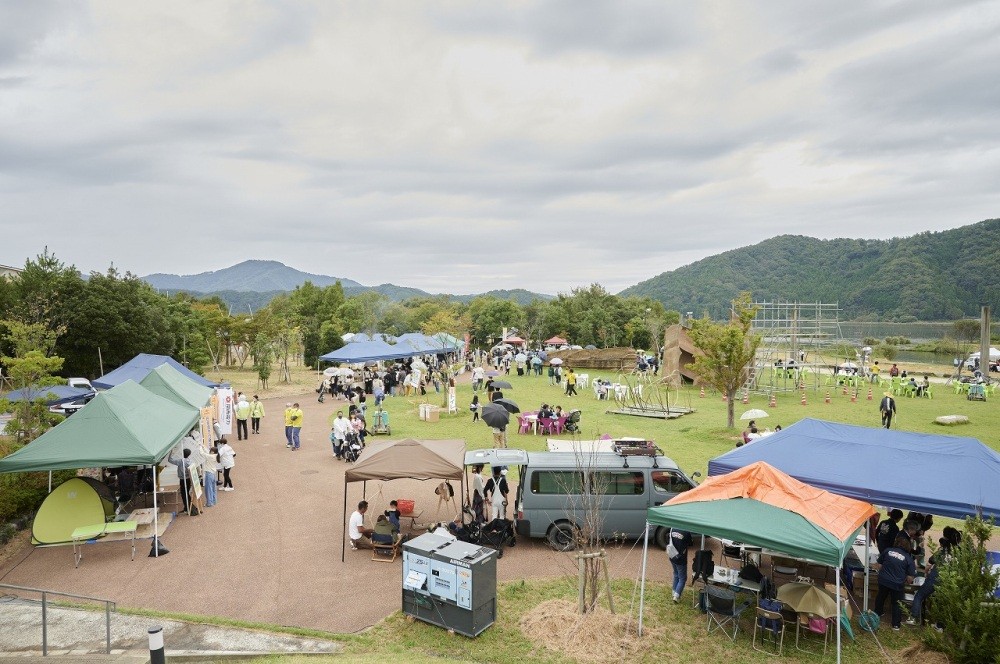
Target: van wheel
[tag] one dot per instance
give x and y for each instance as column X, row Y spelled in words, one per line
column 562, row 536
column 661, row 537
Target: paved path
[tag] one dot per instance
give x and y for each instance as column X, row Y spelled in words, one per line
column 270, row 550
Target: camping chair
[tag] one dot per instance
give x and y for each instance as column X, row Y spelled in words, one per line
column 783, row 569
column 769, row 621
column 386, row 553
column 723, row 611
column 810, row 623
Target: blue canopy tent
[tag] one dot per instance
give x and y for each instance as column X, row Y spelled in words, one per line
column 362, row 337
column 367, row 351
column 140, row 365
column 52, row 395
column 933, row 474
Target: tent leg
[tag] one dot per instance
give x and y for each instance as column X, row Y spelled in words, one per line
column 156, row 518
column 867, row 570
column 839, row 609
column 343, row 540
column 364, row 490
column 50, row 481
column 642, row 582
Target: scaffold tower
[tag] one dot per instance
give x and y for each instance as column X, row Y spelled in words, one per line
column 797, row 341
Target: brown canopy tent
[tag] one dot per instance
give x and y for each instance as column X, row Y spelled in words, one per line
column 405, row 459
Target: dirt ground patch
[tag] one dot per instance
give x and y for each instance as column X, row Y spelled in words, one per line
column 918, row 653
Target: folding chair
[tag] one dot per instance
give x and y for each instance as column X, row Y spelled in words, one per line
column 810, row 623
column 386, row 553
column 769, row 621
column 723, row 610
column 783, row 569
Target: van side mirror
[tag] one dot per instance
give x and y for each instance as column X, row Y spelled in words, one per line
column 697, row 473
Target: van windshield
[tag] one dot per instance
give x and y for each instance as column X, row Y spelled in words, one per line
column 668, row 481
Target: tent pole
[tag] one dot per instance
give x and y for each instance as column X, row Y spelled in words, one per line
column 156, row 518
column 364, row 490
column 343, row 539
column 839, row 609
column 642, row 582
column 867, row 569
column 50, row 481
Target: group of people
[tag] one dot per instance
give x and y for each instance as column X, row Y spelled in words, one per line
column 752, row 433
column 209, row 460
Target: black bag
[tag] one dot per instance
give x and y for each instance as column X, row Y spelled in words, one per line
column 703, row 565
column 751, row 572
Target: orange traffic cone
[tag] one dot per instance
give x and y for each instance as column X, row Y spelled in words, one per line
column 827, row 399
column 869, row 394
column 746, row 397
column 702, row 391
column 854, row 396
column 774, row 401
column 845, row 388
column 803, row 402
column 802, row 384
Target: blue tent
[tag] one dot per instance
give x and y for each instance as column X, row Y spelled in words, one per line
column 367, row 351
column 140, row 365
column 52, row 395
column 928, row 473
column 362, row 337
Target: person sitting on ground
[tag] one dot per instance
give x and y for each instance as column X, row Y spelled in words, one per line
column 751, row 427
column 360, row 536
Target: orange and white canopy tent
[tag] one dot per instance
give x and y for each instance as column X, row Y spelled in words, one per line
column 556, row 341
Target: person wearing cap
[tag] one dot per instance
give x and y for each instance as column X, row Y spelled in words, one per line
column 888, row 408
column 288, row 425
column 256, row 413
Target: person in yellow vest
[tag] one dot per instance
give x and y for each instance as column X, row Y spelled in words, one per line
column 296, row 416
column 288, row 425
column 242, row 415
column 256, row 412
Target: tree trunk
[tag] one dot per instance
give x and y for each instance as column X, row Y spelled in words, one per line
column 731, row 408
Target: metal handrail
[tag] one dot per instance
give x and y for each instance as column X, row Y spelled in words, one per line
column 109, row 606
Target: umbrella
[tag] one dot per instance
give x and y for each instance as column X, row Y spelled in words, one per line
column 418, row 364
column 520, row 357
column 536, row 360
column 754, row 414
column 495, row 415
column 492, row 372
column 502, row 385
column 848, row 365
column 508, row 404
column 556, row 361
column 807, row 598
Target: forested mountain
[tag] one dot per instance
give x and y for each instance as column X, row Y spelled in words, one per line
column 248, row 276
column 929, row 276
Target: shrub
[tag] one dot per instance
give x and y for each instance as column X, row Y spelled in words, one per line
column 870, row 341
column 897, row 341
column 964, row 602
column 22, row 493
column 887, row 351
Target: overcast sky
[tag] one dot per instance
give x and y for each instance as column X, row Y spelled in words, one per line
column 465, row 146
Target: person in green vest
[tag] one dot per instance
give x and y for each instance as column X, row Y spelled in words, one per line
column 256, row 412
column 242, row 414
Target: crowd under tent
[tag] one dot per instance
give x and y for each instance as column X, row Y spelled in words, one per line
column 404, row 459
column 140, row 365
column 171, row 384
column 958, row 476
column 761, row 506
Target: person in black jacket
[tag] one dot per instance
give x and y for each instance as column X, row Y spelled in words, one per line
column 681, row 540
column 897, row 569
column 886, row 531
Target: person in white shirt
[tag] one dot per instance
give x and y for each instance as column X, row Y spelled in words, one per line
column 341, row 427
column 227, row 459
column 360, row 536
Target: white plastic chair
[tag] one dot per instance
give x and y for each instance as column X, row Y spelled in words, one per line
column 583, row 380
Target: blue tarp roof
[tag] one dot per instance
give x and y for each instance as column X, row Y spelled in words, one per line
column 363, row 336
column 367, row 351
column 140, row 365
column 933, row 474
column 52, row 395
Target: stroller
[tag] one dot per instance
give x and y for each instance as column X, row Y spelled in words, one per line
column 321, row 391
column 352, row 447
column 496, row 534
column 380, row 423
column 573, row 421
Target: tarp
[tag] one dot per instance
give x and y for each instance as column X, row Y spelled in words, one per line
column 929, row 473
column 51, row 395
column 367, row 351
column 140, row 365
column 413, row 459
column 72, row 504
column 124, row 426
column 169, row 383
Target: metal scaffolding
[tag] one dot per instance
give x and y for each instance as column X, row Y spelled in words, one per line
column 797, row 340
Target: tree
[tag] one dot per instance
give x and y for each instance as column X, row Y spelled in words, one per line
column 966, row 334
column 964, row 602
column 490, row 315
column 728, row 351
column 263, row 356
column 31, row 417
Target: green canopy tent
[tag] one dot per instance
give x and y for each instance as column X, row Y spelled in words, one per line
column 171, row 384
column 125, row 426
column 761, row 506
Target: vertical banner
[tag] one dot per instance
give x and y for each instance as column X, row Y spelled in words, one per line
column 206, row 426
column 452, row 404
column 225, row 416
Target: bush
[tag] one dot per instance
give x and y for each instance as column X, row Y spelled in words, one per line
column 22, row 493
column 870, row 341
column 897, row 341
column 964, row 602
column 887, row 351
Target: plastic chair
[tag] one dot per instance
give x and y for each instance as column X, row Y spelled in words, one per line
column 582, row 380
column 546, row 425
column 769, row 622
column 524, row 425
column 723, row 611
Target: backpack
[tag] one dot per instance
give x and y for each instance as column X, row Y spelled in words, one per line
column 703, row 565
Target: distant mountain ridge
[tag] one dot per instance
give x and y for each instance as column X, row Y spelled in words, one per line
column 929, row 276
column 249, row 276
column 253, row 283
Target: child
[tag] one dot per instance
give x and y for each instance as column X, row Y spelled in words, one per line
column 474, row 407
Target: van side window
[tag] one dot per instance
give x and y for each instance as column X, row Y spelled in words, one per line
column 667, row 481
column 619, row 483
column 556, row 482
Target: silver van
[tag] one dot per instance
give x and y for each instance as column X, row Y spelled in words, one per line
column 554, row 490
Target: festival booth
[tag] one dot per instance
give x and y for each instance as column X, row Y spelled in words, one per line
column 405, row 459
column 124, row 426
column 367, row 351
column 761, row 506
column 140, row 365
